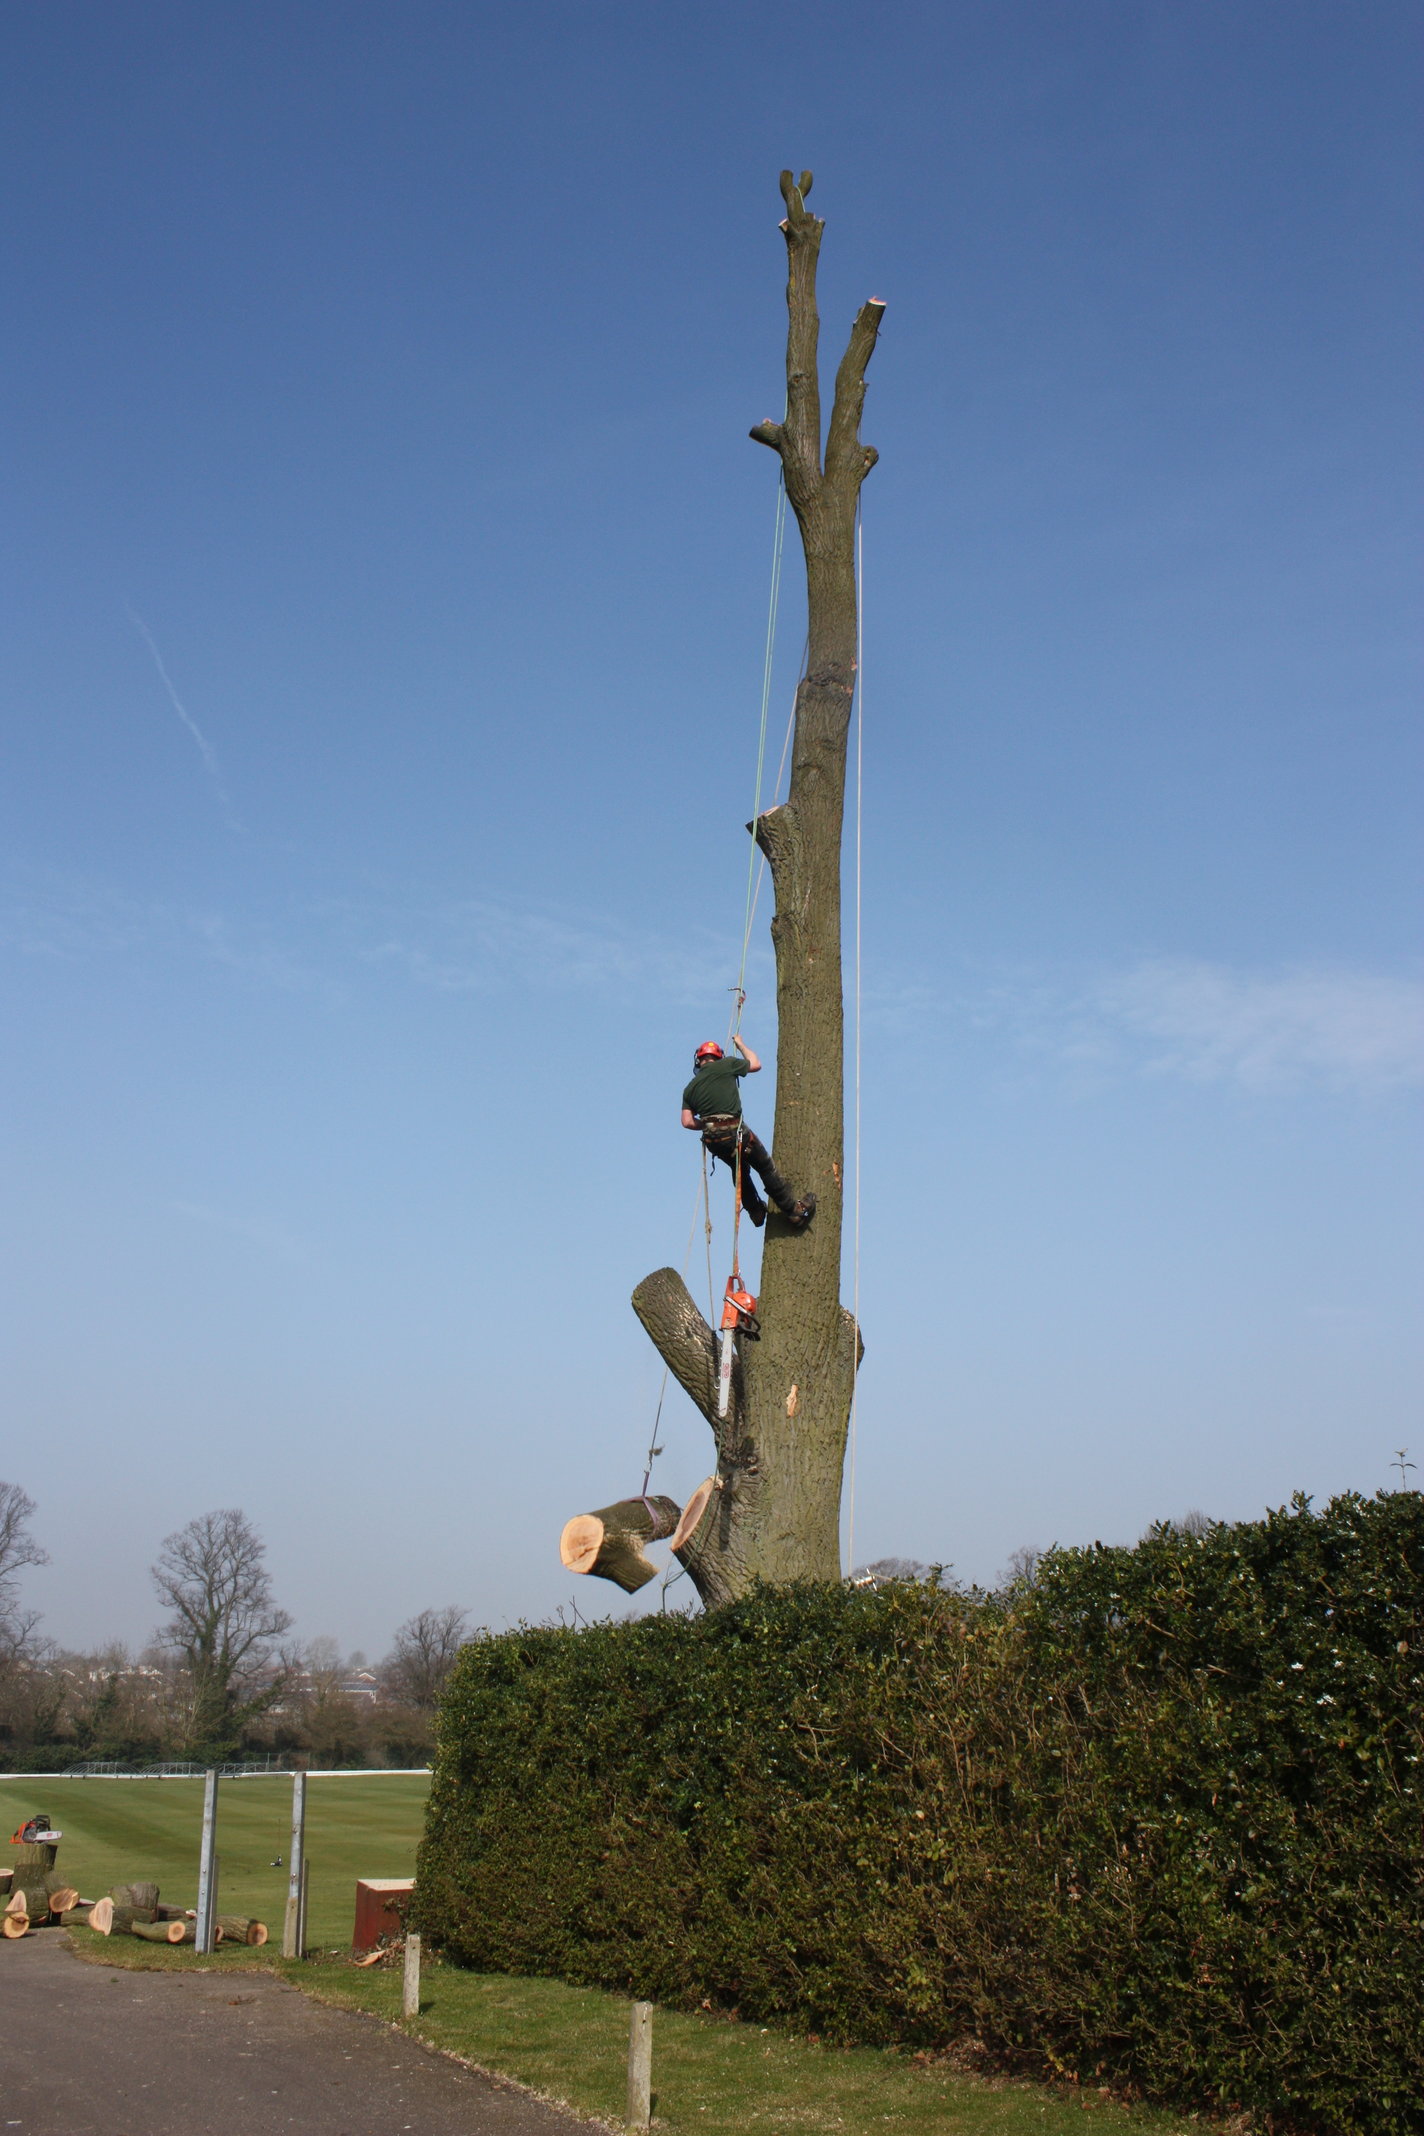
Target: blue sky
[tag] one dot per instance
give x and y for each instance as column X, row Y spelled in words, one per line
column 388, row 569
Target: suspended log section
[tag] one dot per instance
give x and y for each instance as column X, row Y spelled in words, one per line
column 610, row 1543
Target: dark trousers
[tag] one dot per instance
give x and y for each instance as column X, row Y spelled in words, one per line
column 720, row 1137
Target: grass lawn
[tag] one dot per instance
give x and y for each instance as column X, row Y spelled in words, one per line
column 567, row 2043
column 710, row 2076
column 116, row 1830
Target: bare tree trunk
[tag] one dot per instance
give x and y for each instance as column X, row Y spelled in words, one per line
column 775, row 1514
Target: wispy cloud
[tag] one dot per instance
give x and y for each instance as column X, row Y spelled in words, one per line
column 205, row 747
column 478, row 944
column 1270, row 1030
column 449, row 946
column 1299, row 1027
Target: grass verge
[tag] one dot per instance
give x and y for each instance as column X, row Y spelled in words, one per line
column 710, row 2076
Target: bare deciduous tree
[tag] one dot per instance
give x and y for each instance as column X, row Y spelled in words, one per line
column 223, row 1622
column 775, row 1512
column 18, row 1549
column 423, row 1655
column 881, row 1571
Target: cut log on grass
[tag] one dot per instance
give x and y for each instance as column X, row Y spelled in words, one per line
column 62, row 1897
column 13, row 1926
column 75, row 1917
column 7, row 1878
column 241, row 1928
column 176, row 1913
column 141, row 1895
column 610, row 1542
column 123, row 1918
column 164, row 1931
column 101, row 1916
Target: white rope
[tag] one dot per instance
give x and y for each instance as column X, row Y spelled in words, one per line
column 855, row 1132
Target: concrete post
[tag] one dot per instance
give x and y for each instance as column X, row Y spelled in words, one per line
column 293, row 1939
column 205, row 1936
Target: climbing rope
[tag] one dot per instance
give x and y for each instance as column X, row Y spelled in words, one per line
column 755, row 874
column 855, row 1080
column 768, row 662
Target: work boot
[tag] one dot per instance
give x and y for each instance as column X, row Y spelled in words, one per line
column 799, row 1217
column 754, row 1207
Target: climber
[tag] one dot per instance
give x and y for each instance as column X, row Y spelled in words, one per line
column 712, row 1105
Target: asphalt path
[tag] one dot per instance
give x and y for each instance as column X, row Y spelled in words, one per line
column 96, row 2052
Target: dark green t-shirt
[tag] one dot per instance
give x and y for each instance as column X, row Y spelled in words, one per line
column 714, row 1088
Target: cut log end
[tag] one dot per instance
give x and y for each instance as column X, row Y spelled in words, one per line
column 692, row 1513
column 101, row 1916
column 13, row 1926
column 581, row 1542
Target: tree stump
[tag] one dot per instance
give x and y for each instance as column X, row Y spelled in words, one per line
column 32, row 1856
column 610, row 1543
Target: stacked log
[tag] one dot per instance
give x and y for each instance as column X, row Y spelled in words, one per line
column 143, row 1895
column 38, row 1894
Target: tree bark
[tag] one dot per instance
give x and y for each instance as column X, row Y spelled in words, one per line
column 32, row 1856
column 775, row 1514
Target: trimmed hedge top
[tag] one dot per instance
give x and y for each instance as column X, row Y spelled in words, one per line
column 1151, row 1817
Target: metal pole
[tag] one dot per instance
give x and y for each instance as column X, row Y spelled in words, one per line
column 292, row 1923
column 302, row 1908
column 205, row 1935
column 410, row 1984
column 640, row 2069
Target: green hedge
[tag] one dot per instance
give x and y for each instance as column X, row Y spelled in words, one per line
column 1152, row 1817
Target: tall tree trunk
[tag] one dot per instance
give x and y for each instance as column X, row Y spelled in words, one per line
column 775, row 1514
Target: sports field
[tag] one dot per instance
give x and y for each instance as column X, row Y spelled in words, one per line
column 116, row 1830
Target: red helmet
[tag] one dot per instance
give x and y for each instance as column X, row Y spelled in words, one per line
column 709, row 1050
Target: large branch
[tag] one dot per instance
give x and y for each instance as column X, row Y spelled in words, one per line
column 680, row 1336
column 845, row 455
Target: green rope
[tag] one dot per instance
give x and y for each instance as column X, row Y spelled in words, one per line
column 768, row 660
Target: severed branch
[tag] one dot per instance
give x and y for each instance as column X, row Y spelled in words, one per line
column 680, row 1336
